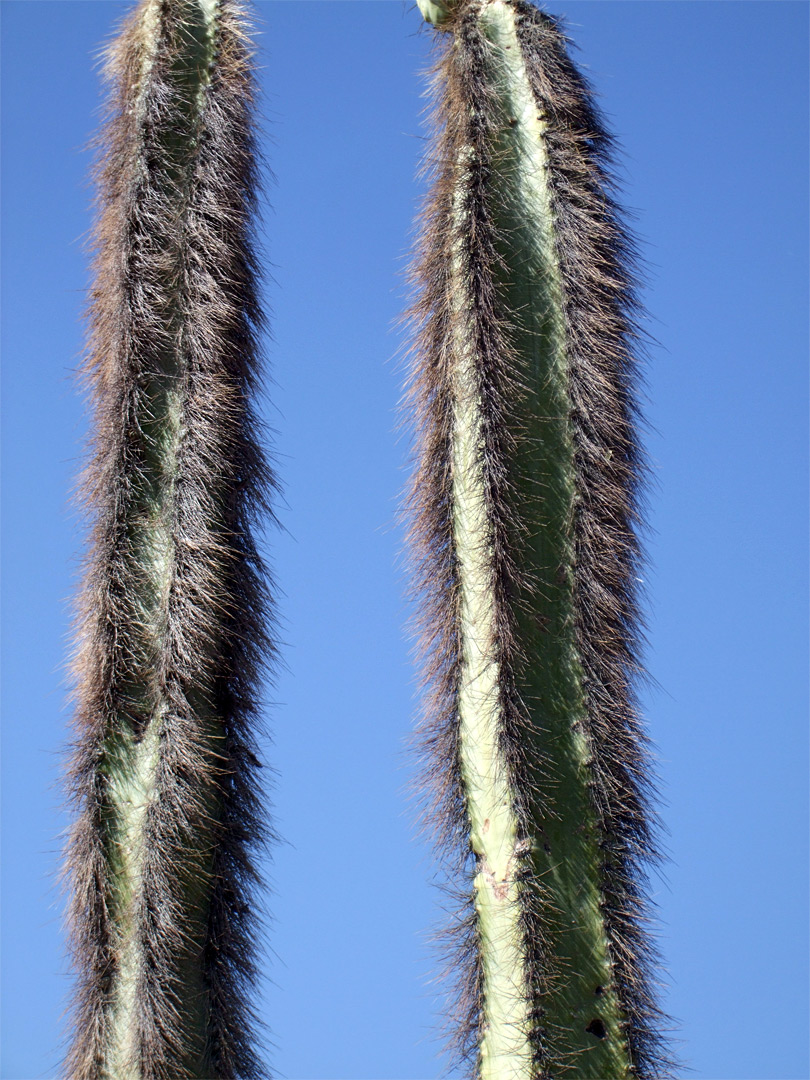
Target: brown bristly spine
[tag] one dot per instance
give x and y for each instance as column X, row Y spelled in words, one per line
column 173, row 634
column 561, row 473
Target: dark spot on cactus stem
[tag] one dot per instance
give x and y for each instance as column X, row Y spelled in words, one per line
column 598, row 991
column 597, row 1028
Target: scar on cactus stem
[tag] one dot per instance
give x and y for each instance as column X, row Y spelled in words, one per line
column 525, row 520
column 173, row 629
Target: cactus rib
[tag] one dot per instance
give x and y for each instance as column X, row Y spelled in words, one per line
column 525, row 540
column 173, row 632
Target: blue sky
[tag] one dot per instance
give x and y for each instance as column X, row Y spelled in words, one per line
column 709, row 101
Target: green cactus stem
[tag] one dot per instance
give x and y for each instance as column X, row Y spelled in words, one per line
column 525, row 526
column 172, row 632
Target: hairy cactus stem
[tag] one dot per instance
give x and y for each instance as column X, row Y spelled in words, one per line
column 525, row 521
column 173, row 615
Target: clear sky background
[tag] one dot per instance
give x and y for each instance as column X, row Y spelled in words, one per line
column 709, row 101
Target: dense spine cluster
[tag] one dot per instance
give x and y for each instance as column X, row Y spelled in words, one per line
column 173, row 633
column 525, row 538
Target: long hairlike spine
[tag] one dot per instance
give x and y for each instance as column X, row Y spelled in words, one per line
column 173, row 615
column 525, row 526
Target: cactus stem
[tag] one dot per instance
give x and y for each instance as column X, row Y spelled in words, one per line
column 526, row 557
column 173, row 634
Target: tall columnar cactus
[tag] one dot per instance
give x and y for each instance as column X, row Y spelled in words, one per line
column 525, row 516
column 172, row 636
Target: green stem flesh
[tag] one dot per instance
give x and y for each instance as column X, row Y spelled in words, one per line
column 133, row 758
column 581, row 1028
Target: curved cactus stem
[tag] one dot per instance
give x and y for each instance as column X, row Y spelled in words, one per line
column 173, row 636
